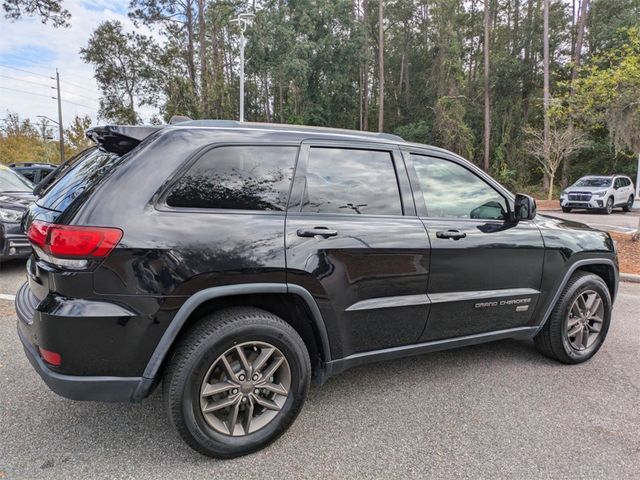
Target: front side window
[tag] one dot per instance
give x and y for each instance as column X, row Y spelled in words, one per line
column 343, row 180
column 452, row 191
column 237, row 177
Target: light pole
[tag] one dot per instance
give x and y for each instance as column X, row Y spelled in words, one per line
column 243, row 20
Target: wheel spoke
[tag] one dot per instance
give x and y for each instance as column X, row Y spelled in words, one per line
column 248, row 416
column 582, row 305
column 595, row 328
column 572, row 322
column 595, row 303
column 272, row 368
column 220, row 404
column 227, row 366
column 275, row 388
column 232, row 418
column 243, row 359
column 578, row 340
column 577, row 328
column 585, row 337
column 259, row 362
column 213, row 389
column 266, row 403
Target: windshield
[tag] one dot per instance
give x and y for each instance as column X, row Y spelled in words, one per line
column 593, row 182
column 10, row 181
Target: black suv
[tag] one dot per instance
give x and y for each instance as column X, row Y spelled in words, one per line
column 237, row 262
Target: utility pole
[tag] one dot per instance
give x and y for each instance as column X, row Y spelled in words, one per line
column 60, row 126
column 243, row 21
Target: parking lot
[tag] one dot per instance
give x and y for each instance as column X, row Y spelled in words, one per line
column 492, row 411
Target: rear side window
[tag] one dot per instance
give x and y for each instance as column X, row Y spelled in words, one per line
column 341, row 180
column 237, row 177
column 84, row 172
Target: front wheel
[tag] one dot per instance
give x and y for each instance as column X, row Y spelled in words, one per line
column 608, row 209
column 566, row 209
column 579, row 322
column 236, row 382
column 629, row 205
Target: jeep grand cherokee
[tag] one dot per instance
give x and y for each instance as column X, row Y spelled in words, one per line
column 237, row 262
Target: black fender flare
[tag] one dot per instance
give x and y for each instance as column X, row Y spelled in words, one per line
column 567, row 275
column 197, row 299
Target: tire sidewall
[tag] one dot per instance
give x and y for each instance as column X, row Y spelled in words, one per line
column 221, row 445
column 591, row 282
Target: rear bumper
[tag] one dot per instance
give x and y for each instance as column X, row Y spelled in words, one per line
column 102, row 389
column 75, row 387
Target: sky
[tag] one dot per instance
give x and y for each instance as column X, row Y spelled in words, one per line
column 30, row 52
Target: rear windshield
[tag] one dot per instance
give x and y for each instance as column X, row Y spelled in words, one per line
column 77, row 177
column 593, row 182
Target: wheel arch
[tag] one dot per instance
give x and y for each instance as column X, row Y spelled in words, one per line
column 292, row 303
column 605, row 268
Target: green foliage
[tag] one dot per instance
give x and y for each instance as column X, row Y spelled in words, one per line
column 21, row 141
column 47, row 10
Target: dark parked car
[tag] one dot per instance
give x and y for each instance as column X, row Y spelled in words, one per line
column 16, row 194
column 34, row 172
column 237, row 262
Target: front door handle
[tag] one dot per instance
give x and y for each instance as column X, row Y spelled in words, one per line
column 323, row 232
column 451, row 234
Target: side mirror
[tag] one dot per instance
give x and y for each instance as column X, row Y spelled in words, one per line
column 524, row 207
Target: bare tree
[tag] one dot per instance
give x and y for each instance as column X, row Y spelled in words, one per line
column 487, row 100
column 381, row 64
column 552, row 149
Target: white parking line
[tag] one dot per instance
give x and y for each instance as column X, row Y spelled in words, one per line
column 4, row 296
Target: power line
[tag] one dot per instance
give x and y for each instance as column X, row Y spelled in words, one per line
column 78, row 95
column 77, row 86
column 74, row 103
column 29, row 93
column 25, row 71
column 24, row 80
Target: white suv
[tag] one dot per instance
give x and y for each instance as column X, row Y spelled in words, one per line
column 602, row 193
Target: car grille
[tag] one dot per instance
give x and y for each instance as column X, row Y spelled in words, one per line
column 579, row 197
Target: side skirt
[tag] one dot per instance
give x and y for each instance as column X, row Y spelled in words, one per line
column 337, row 366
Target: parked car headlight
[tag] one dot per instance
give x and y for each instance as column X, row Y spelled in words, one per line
column 601, row 193
column 10, row 216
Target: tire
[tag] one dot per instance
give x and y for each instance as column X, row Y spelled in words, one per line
column 566, row 209
column 629, row 205
column 554, row 339
column 608, row 209
column 198, row 358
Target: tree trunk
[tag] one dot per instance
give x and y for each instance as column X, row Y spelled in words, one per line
column 487, row 100
column 546, row 89
column 191, row 66
column 551, row 178
column 365, row 67
column 204, row 87
column 381, row 65
column 583, row 14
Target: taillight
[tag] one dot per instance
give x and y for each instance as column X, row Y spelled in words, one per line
column 72, row 242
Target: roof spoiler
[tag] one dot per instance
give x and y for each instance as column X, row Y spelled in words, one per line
column 121, row 139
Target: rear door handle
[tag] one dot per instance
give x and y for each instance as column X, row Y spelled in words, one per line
column 323, row 232
column 451, row 234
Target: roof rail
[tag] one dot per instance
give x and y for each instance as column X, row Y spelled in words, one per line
column 282, row 126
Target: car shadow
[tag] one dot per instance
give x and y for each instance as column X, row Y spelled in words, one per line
column 78, row 431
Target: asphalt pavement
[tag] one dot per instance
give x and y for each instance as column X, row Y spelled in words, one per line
column 495, row 411
column 618, row 221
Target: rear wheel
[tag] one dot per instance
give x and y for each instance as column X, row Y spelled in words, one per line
column 579, row 322
column 629, row 205
column 236, row 381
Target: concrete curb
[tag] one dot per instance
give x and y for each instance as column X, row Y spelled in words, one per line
column 628, row 277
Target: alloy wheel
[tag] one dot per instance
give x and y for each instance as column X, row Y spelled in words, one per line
column 245, row 388
column 585, row 320
column 610, row 205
